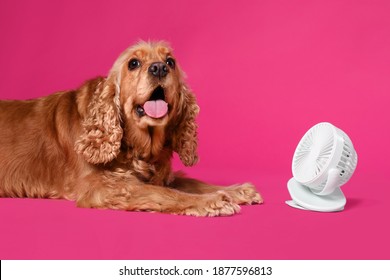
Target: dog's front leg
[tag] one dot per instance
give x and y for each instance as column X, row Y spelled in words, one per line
column 240, row 194
column 132, row 195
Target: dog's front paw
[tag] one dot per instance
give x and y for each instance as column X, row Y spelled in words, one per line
column 244, row 194
column 215, row 204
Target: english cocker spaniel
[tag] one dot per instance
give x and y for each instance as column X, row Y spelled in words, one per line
column 109, row 143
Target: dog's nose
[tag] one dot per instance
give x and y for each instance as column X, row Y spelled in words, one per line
column 158, row 69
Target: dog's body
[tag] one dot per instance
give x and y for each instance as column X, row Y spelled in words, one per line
column 109, row 144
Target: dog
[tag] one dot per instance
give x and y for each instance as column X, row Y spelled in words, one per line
column 109, row 144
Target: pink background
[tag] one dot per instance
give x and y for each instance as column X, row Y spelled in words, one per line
column 264, row 72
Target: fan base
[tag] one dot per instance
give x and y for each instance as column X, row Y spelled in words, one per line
column 304, row 198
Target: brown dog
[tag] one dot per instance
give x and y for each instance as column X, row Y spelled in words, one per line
column 109, row 143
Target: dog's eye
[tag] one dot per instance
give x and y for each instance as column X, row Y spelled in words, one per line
column 134, row 63
column 171, row 62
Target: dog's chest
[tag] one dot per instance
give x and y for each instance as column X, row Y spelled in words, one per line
column 158, row 173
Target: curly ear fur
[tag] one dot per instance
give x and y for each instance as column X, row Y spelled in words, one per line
column 101, row 140
column 185, row 135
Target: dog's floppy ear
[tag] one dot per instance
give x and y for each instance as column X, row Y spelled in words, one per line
column 102, row 132
column 185, row 135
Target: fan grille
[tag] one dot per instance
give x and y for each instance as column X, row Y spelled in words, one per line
column 348, row 161
column 316, row 147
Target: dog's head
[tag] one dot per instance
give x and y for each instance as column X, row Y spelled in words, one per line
column 149, row 83
column 144, row 89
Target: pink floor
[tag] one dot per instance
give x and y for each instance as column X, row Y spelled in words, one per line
column 263, row 72
column 44, row 229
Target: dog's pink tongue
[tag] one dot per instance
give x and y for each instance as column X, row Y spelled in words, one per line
column 156, row 108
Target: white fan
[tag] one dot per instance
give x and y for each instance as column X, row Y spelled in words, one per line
column 324, row 160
